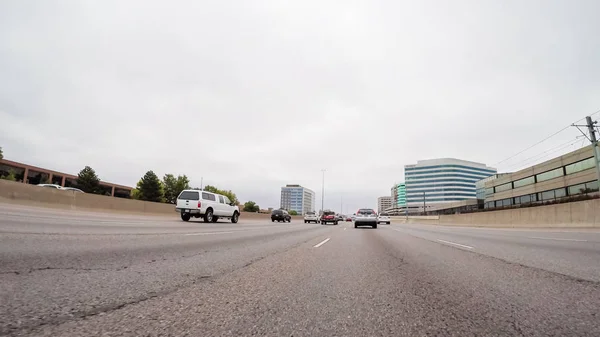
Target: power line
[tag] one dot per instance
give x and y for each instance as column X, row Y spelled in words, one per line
column 545, row 153
column 545, row 139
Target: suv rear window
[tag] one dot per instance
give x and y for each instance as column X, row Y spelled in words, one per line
column 310, row 213
column 189, row 195
column 365, row 211
column 328, row 213
column 383, row 214
column 277, row 211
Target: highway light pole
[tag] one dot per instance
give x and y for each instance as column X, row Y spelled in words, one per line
column 592, row 138
column 323, row 192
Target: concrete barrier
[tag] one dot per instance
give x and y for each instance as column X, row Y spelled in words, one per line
column 25, row 194
column 573, row 214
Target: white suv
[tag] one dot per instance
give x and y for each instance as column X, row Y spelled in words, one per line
column 311, row 217
column 383, row 218
column 210, row 206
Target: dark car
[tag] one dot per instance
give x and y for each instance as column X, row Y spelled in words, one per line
column 281, row 215
column 329, row 217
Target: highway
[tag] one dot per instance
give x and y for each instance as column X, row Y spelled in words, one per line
column 67, row 273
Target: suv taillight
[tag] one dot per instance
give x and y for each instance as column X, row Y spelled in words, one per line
column 199, row 204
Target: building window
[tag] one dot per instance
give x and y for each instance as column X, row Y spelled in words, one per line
column 524, row 182
column 525, row 199
column 507, row 202
column 549, row 175
column 503, row 187
column 560, row 193
column 548, row 195
column 576, row 189
column 498, row 203
column 580, row 166
column 489, row 191
column 592, row 186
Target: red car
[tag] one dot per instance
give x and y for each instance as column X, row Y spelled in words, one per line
column 348, row 219
column 329, row 216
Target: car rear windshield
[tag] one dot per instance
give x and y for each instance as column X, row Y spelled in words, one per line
column 189, row 195
column 310, row 213
column 328, row 213
column 277, row 211
column 383, row 214
column 365, row 211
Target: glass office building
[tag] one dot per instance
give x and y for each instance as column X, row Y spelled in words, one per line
column 437, row 181
column 297, row 198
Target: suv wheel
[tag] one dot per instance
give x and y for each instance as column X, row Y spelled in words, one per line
column 185, row 216
column 208, row 216
column 375, row 226
column 215, row 218
column 235, row 217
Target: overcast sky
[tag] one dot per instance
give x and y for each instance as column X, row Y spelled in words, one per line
column 253, row 95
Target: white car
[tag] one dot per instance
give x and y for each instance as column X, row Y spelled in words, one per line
column 58, row 187
column 383, row 218
column 311, row 217
column 210, row 206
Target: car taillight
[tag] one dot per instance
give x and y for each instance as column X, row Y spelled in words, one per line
column 199, row 204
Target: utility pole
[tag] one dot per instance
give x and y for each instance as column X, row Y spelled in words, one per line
column 594, row 141
column 592, row 138
column 323, row 192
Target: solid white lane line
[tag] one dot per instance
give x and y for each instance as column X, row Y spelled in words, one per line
column 345, row 228
column 322, row 243
column 210, row 233
column 557, row 239
column 456, row 244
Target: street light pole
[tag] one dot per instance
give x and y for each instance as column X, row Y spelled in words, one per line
column 323, row 192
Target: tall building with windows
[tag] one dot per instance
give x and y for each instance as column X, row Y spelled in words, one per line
column 437, row 181
column 297, row 198
column 384, row 203
column 401, row 195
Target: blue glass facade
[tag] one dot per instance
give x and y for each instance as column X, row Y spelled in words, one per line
column 443, row 180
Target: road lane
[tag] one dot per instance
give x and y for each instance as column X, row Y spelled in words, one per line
column 280, row 279
column 87, row 266
column 573, row 252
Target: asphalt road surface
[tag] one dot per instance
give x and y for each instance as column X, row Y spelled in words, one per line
column 91, row 274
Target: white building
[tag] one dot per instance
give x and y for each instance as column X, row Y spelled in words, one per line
column 383, row 203
column 297, row 198
column 437, row 181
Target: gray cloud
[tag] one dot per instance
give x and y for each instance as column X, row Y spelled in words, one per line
column 251, row 95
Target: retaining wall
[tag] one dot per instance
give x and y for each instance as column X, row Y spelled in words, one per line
column 572, row 214
column 25, row 194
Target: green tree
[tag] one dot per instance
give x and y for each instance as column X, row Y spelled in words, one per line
column 229, row 194
column 88, row 181
column 292, row 212
column 10, row 176
column 1, row 153
column 251, row 206
column 150, row 188
column 173, row 186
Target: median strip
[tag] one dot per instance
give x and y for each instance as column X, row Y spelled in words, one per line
column 455, row 244
column 322, row 243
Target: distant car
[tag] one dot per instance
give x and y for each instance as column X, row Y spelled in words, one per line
column 281, row 215
column 348, row 219
column 366, row 217
column 210, row 206
column 383, row 218
column 311, row 217
column 73, row 189
column 329, row 217
column 57, row 187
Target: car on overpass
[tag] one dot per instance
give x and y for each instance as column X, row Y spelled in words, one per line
column 206, row 205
